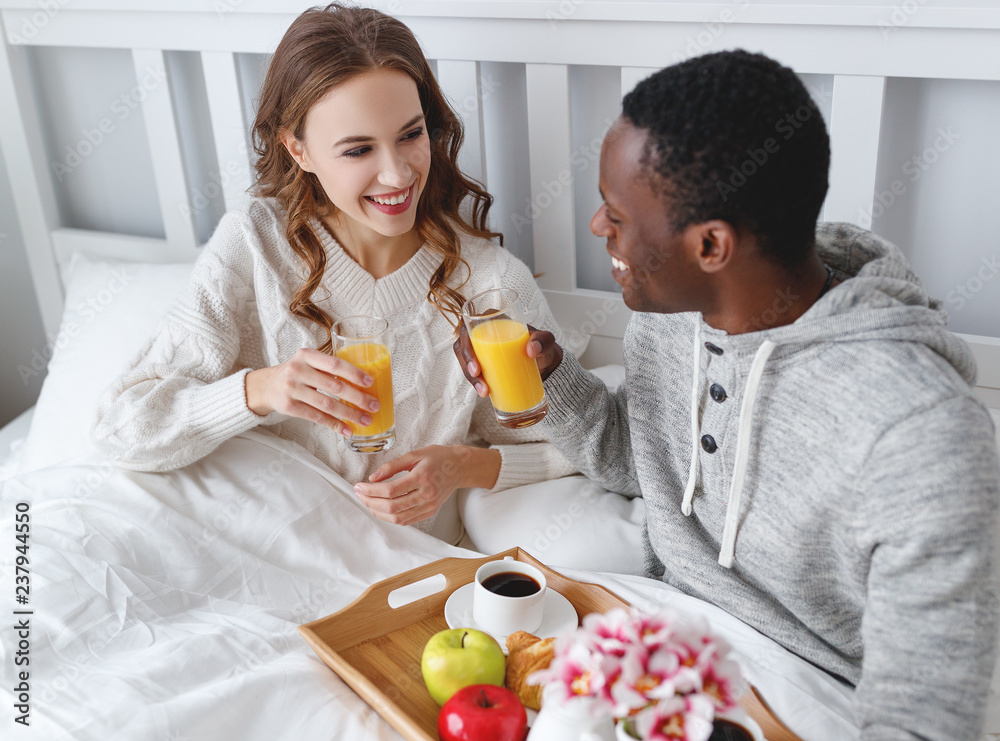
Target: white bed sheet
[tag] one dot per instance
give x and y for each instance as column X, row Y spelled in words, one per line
column 166, row 605
column 12, row 437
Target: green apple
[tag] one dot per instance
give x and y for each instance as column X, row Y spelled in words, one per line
column 458, row 657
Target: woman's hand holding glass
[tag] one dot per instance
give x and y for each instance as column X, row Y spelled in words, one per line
column 429, row 476
column 314, row 386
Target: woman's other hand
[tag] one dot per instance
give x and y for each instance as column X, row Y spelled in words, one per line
column 429, row 476
column 315, row 386
column 542, row 346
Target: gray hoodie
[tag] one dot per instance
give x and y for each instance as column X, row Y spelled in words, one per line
column 832, row 482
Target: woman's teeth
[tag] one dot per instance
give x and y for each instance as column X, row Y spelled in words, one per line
column 620, row 264
column 394, row 200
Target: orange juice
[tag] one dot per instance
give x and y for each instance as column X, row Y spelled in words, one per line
column 515, row 385
column 373, row 359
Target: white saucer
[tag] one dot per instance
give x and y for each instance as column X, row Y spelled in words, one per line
column 558, row 615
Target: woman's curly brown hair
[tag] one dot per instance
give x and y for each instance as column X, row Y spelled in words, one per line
column 322, row 49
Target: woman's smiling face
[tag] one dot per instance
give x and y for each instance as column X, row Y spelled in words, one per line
column 366, row 142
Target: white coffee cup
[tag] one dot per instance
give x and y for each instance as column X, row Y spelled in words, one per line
column 499, row 614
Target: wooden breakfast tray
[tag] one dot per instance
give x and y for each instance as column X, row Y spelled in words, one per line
column 376, row 648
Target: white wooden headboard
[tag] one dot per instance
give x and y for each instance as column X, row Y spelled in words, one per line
column 859, row 46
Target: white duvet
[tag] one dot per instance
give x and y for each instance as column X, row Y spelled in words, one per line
column 165, row 606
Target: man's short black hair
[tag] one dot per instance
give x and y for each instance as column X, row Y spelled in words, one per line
column 736, row 136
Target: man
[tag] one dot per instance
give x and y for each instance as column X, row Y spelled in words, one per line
column 795, row 414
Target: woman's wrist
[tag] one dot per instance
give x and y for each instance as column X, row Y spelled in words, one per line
column 254, row 387
column 482, row 467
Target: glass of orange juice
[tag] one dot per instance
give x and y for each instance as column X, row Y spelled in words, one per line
column 365, row 341
column 499, row 337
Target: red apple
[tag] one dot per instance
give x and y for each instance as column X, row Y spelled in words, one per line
column 483, row 712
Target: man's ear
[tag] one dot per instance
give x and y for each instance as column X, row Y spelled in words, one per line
column 296, row 149
column 716, row 244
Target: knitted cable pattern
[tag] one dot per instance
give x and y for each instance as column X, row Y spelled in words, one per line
column 184, row 393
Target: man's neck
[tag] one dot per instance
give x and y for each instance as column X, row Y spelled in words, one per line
column 764, row 296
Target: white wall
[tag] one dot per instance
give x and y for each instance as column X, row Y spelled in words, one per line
column 938, row 192
column 23, row 349
column 96, row 139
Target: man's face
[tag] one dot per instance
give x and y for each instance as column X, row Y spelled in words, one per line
column 648, row 256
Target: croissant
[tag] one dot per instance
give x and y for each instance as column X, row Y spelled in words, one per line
column 527, row 653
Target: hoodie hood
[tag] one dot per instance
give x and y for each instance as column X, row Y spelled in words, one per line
column 878, row 298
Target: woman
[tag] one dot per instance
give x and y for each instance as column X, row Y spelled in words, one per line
column 360, row 210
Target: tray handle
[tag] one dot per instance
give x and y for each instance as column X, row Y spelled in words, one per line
column 374, row 601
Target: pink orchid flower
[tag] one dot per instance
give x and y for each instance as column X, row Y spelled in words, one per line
column 723, row 682
column 576, row 672
column 667, row 675
column 687, row 718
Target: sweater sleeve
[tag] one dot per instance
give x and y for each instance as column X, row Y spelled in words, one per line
column 590, row 425
column 183, row 394
column 928, row 516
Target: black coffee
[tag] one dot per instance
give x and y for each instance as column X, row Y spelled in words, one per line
column 511, row 584
column 725, row 730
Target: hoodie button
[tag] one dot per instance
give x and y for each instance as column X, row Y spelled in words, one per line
column 708, row 443
column 718, row 393
column 714, row 349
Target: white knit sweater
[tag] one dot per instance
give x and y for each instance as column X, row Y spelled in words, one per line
column 184, row 393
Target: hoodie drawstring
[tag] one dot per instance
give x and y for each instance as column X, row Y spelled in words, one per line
column 695, row 398
column 743, row 434
column 743, row 453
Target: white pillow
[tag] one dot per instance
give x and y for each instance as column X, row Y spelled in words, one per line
column 112, row 308
column 569, row 522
